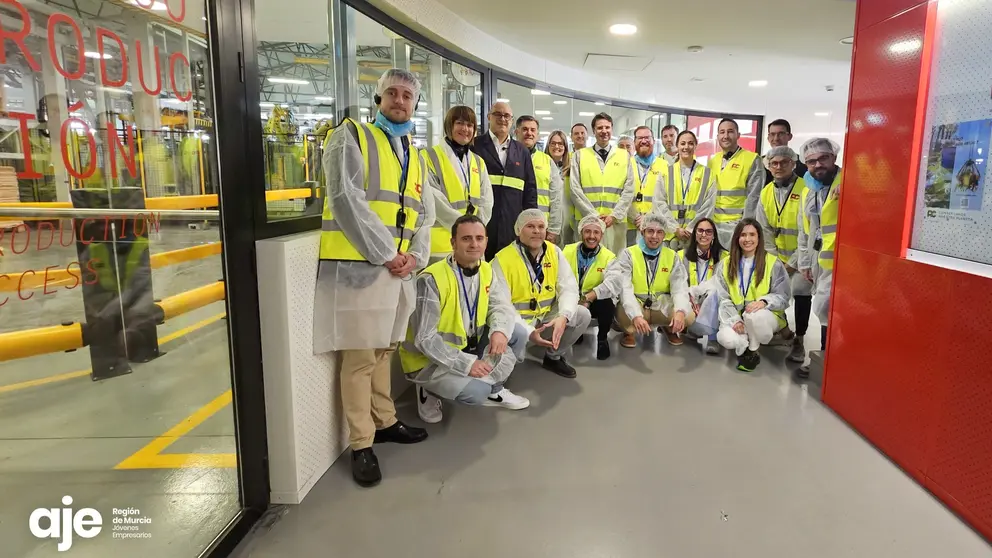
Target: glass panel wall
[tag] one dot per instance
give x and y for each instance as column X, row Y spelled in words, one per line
column 705, row 128
column 115, row 382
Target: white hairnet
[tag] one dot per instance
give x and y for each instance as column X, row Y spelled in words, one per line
column 781, row 151
column 526, row 216
column 395, row 77
column 627, row 138
column 818, row 145
column 592, row 221
column 653, row 219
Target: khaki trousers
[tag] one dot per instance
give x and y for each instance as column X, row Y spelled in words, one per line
column 365, row 393
column 654, row 317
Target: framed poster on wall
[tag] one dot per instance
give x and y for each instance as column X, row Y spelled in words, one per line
column 952, row 225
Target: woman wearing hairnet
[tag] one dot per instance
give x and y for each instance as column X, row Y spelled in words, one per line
column 375, row 232
column 754, row 292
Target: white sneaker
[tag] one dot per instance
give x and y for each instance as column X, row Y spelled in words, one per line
column 428, row 407
column 507, row 399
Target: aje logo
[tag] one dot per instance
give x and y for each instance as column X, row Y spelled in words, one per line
column 86, row 523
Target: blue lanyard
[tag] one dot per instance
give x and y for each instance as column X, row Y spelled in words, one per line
column 472, row 308
column 688, row 183
column 704, row 267
column 746, row 287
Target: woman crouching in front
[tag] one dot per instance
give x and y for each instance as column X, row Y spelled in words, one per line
column 754, row 291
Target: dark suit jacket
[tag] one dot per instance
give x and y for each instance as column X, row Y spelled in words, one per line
column 507, row 202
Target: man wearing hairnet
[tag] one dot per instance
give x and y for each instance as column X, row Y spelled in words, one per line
column 626, row 143
column 375, row 232
column 543, row 291
column 816, row 248
column 456, row 345
column 780, row 214
column 654, row 286
column 588, row 261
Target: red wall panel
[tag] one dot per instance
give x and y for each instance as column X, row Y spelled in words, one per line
column 907, row 364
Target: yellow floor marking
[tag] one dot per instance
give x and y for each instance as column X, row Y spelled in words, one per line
column 151, row 456
column 80, row 373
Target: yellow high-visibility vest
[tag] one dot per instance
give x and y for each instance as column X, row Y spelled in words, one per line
column 450, row 325
column 382, row 190
column 693, row 267
column 731, row 194
column 458, row 195
column 594, row 275
column 603, row 186
column 542, row 172
column 531, row 301
column 684, row 203
column 644, row 189
column 828, row 224
column 662, row 282
column 755, row 290
column 784, row 220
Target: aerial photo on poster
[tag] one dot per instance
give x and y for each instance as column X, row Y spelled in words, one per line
column 956, row 165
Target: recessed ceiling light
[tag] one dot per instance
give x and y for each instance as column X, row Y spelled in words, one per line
column 821, row 114
column 757, row 83
column 587, row 114
column 600, row 104
column 847, row 41
column 94, row 54
column 540, row 112
column 623, row 29
column 328, row 99
column 547, row 118
column 694, row 49
column 561, row 102
column 363, row 109
column 538, row 92
column 290, row 81
column 903, row 47
column 502, row 100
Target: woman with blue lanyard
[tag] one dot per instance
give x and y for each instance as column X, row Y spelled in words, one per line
column 688, row 196
column 701, row 258
column 754, row 292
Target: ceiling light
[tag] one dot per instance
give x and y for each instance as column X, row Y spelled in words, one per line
column 266, row 105
column 547, row 118
column 363, row 109
column 328, row 99
column 157, row 6
column 757, row 83
column 600, row 104
column 502, row 100
column 561, row 102
column 623, row 29
column 540, row 112
column 847, row 41
column 93, row 54
column 290, row 81
column 538, row 92
column 478, row 93
column 821, row 114
column 903, row 47
column 587, row 114
column 694, row 49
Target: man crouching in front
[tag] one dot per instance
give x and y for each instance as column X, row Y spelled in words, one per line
column 456, row 345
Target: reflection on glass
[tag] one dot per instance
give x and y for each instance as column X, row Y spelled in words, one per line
column 114, row 377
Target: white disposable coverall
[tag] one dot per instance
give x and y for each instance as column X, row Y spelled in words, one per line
column 661, row 207
column 809, row 256
column 615, row 238
column 755, row 182
column 759, row 326
column 800, row 286
column 445, row 215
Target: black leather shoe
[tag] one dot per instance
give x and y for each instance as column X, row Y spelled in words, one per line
column 559, row 367
column 603, row 350
column 365, row 467
column 400, row 433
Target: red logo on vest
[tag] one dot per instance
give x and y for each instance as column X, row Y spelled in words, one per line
column 794, row 197
column 418, row 188
column 517, row 163
column 735, row 166
column 476, row 171
column 600, row 269
column 664, row 269
column 487, row 289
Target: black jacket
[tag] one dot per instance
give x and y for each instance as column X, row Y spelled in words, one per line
column 507, row 202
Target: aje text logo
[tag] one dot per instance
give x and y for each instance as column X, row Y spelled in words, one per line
column 62, row 523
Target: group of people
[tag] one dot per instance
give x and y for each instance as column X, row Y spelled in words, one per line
column 463, row 255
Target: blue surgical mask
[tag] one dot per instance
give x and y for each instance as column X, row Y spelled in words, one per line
column 646, row 161
column 644, row 247
column 812, row 183
column 391, row 128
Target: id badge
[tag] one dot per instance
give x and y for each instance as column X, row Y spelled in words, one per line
column 639, row 197
column 400, row 218
column 648, row 302
column 681, row 214
column 818, row 244
column 470, row 210
column 473, row 345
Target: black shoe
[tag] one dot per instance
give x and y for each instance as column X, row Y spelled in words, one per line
column 603, row 350
column 559, row 367
column 365, row 467
column 748, row 361
column 401, row 434
column 803, row 373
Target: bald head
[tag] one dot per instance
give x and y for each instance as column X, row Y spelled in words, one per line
column 500, row 119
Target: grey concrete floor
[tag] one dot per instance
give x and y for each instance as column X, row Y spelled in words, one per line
column 66, row 437
column 658, row 452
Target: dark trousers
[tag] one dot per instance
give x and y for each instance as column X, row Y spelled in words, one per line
column 803, row 306
column 603, row 311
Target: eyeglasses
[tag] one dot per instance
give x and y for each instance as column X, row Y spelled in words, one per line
column 556, row 144
column 821, row 161
column 780, row 164
column 704, row 232
column 644, row 138
column 501, row 115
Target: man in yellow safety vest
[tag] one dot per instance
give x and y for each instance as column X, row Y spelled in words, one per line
column 602, row 183
column 780, row 214
column 740, row 175
column 550, row 187
column 544, row 293
column 816, row 259
column 375, row 232
column 456, row 345
column 652, row 170
column 588, row 261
